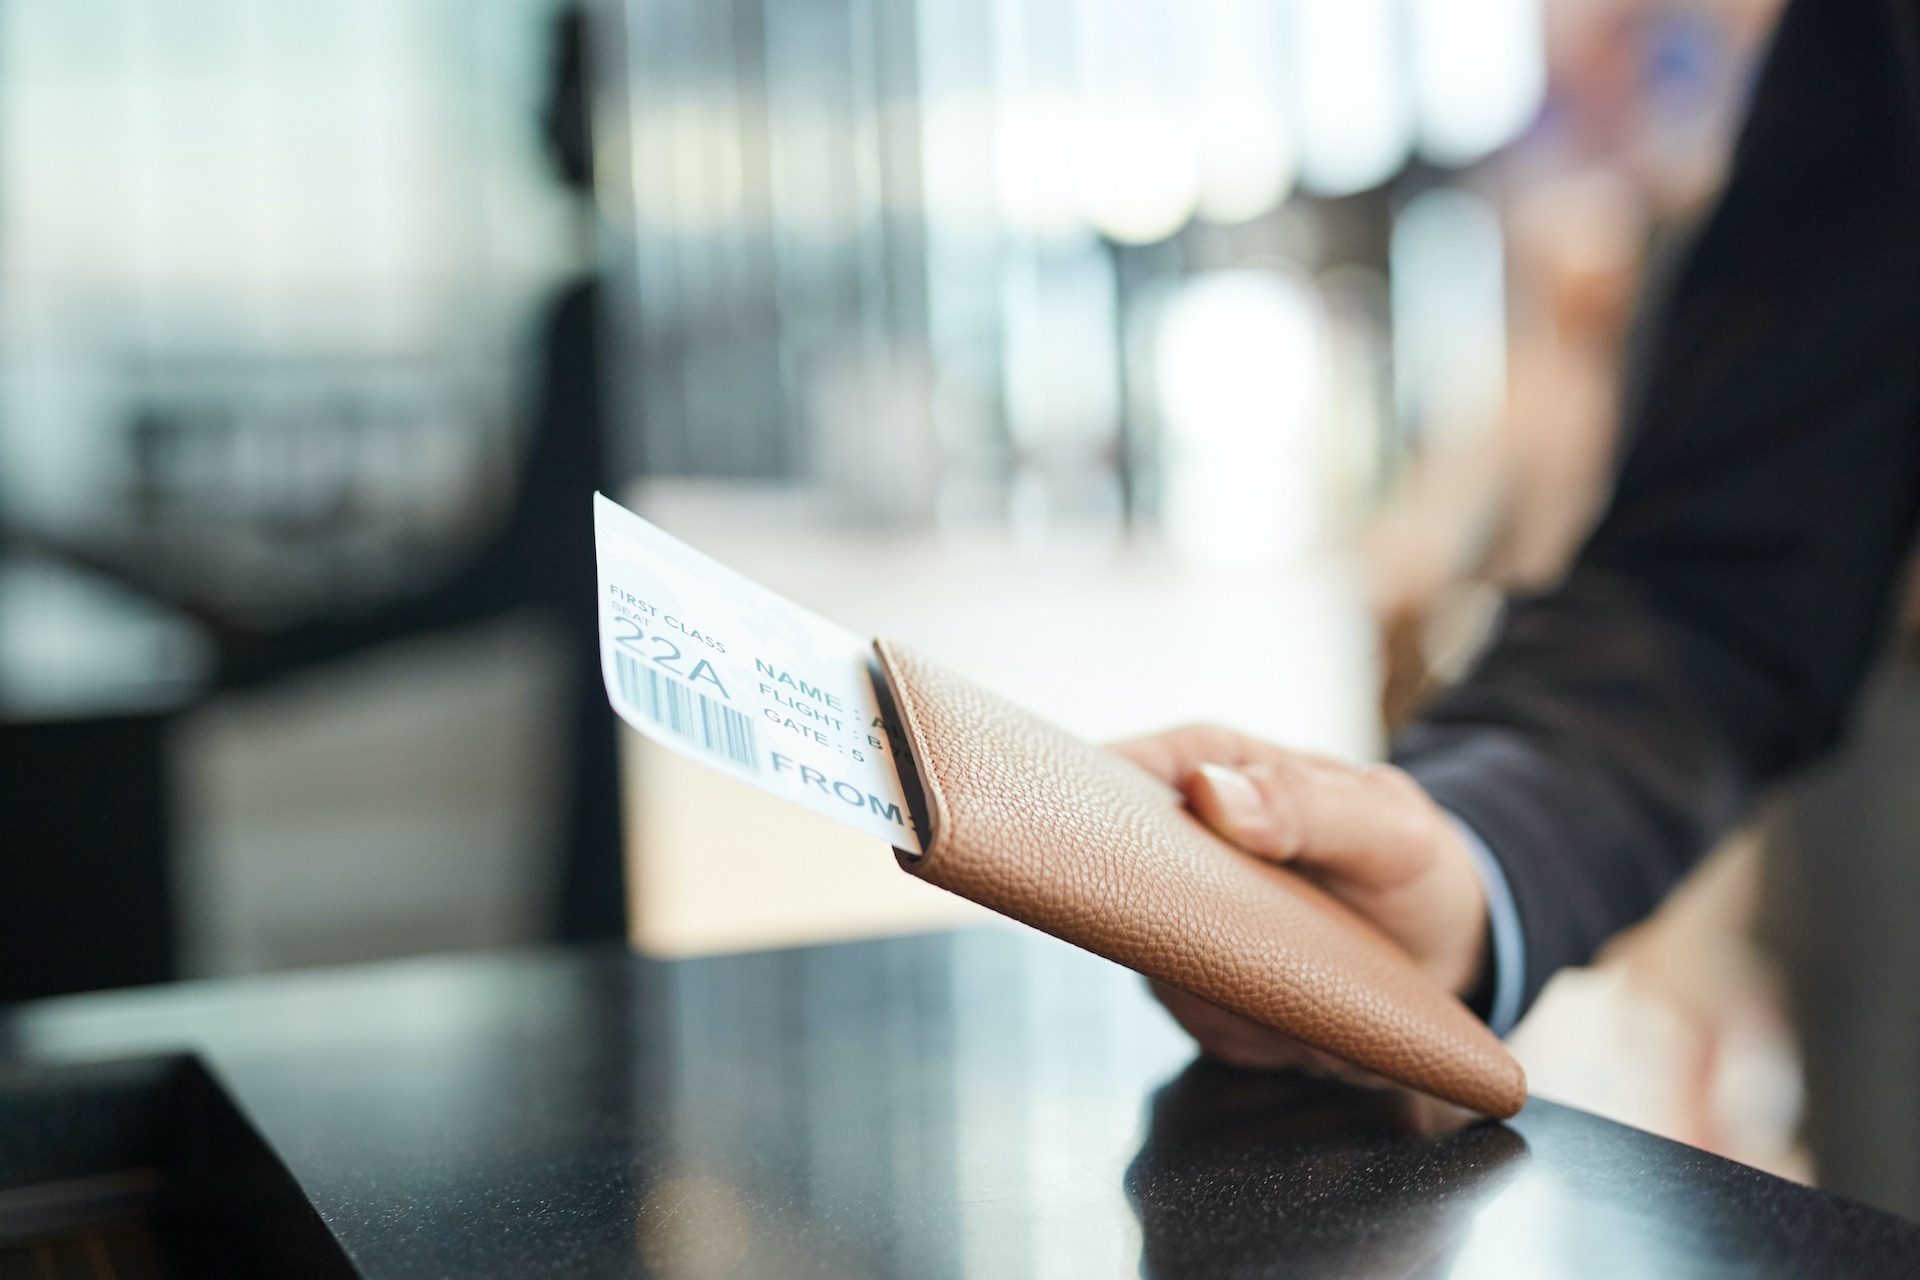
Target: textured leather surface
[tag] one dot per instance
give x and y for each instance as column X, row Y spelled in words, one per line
column 1060, row 834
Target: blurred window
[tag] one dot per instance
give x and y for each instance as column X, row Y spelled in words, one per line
column 268, row 272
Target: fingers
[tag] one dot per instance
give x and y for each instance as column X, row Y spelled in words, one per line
column 1172, row 755
column 1238, row 1041
column 1228, row 1037
column 1367, row 834
column 1371, row 825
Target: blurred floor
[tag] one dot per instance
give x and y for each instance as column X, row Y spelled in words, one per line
column 395, row 803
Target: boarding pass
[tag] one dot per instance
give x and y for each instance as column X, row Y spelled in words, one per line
column 711, row 664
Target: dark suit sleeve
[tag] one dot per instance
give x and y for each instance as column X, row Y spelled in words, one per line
column 1712, row 632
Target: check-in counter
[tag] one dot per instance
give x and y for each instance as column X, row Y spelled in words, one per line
column 981, row 1103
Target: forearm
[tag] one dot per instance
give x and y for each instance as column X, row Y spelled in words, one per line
column 1713, row 631
column 1579, row 755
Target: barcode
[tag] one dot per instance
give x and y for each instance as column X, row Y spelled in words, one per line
column 687, row 712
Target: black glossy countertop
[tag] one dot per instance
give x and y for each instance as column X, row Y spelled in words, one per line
column 981, row 1104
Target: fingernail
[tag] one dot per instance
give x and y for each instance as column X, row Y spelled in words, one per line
column 1238, row 799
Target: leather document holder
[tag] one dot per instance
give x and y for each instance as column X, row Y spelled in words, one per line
column 1039, row 825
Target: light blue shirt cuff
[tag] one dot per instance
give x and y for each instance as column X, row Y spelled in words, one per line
column 1503, row 920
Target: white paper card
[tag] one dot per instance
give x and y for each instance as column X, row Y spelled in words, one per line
column 716, row 667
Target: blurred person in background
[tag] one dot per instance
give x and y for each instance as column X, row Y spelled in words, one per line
column 1711, row 635
column 540, row 556
column 1599, row 199
column 537, row 560
column 1681, row 1025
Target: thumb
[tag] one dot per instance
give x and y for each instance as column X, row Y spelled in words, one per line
column 1370, row 827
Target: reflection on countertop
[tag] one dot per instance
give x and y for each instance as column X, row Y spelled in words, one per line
column 1240, row 1170
column 983, row 1103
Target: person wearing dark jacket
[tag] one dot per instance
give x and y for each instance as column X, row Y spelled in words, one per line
column 1712, row 633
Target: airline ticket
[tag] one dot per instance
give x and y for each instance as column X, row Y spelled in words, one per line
column 711, row 664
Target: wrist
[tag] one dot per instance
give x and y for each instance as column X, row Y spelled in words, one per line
column 1481, row 989
column 1499, row 943
column 1461, row 960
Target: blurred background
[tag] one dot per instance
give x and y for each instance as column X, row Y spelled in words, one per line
column 1150, row 361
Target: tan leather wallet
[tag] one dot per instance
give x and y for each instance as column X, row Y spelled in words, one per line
column 1024, row 817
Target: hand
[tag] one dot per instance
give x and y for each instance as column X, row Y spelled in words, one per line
column 1368, row 835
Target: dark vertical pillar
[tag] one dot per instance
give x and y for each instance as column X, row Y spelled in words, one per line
column 1844, row 901
column 85, row 893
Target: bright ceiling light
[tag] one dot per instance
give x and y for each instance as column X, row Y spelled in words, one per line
column 1479, row 74
column 1237, row 365
column 1247, row 166
column 1241, row 123
column 1037, row 139
column 1139, row 178
column 1356, row 118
